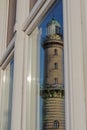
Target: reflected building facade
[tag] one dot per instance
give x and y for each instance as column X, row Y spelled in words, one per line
column 53, row 89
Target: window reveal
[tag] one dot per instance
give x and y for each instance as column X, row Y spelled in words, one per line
column 56, row 124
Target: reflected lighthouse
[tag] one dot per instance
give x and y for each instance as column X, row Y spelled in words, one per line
column 53, row 89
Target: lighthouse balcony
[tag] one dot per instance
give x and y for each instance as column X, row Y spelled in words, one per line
column 52, row 91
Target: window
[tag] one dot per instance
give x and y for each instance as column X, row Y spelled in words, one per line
column 6, row 100
column 56, row 124
column 55, row 80
column 45, row 46
column 55, row 52
column 49, row 48
column 55, row 65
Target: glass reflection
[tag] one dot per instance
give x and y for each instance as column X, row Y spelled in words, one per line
column 52, row 114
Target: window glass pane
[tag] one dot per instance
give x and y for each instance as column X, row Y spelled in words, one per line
column 52, row 110
column 7, row 90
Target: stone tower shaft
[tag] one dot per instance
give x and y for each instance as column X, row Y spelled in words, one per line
column 53, row 89
column 53, row 74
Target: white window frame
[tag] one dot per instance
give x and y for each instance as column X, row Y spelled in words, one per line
column 84, row 38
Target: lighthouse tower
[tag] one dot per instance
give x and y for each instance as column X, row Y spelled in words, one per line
column 53, row 89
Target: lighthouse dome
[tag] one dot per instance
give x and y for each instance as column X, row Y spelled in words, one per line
column 53, row 27
column 54, row 22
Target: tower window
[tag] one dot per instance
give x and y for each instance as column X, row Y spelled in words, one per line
column 55, row 65
column 55, row 80
column 56, row 124
column 57, row 30
column 55, row 52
